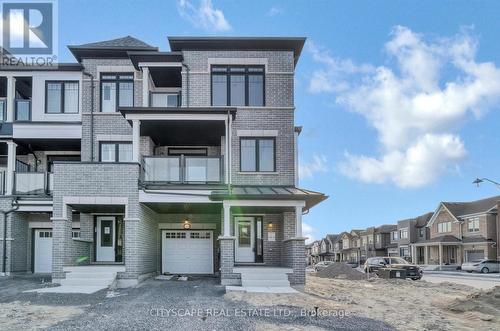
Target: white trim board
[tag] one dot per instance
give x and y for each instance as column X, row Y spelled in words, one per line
column 194, row 226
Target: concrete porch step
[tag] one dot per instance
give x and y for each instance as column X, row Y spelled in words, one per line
column 266, row 275
column 265, row 283
column 94, row 269
column 101, row 281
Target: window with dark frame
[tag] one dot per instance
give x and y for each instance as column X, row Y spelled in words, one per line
column 257, row 154
column 238, row 86
column 115, row 152
column 61, row 97
column 117, row 90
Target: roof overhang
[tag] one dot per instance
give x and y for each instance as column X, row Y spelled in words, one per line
column 80, row 52
column 140, row 58
column 177, row 113
column 55, row 67
column 272, row 195
column 294, row 44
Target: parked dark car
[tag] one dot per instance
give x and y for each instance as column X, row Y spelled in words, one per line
column 374, row 264
column 352, row 264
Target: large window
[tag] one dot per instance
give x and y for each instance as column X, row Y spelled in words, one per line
column 117, row 90
column 115, row 152
column 257, row 154
column 473, row 224
column 238, row 86
column 61, row 97
column 444, row 227
column 403, row 233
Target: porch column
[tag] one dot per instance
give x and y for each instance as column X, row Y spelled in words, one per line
column 145, row 86
column 136, row 140
column 11, row 95
column 426, row 255
column 298, row 222
column 440, row 254
column 11, row 167
column 227, row 220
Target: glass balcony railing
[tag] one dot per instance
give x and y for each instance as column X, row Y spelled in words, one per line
column 183, row 170
column 23, row 109
column 3, row 110
column 33, row 183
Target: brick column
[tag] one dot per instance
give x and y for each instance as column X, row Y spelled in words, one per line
column 227, row 277
column 131, row 248
column 61, row 244
column 294, row 257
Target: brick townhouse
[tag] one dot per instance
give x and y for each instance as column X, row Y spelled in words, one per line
column 152, row 162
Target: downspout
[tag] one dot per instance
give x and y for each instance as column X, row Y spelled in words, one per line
column 92, row 86
column 187, row 83
column 5, row 213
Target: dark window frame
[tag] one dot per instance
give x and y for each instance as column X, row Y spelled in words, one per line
column 117, row 82
column 62, row 82
column 117, row 150
column 245, row 73
column 257, row 156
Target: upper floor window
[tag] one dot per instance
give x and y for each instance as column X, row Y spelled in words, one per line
column 238, row 86
column 473, row 224
column 117, row 90
column 394, row 235
column 377, row 238
column 257, row 154
column 115, row 152
column 370, row 239
column 160, row 99
column 403, row 233
column 61, row 97
column 444, row 227
column 421, row 232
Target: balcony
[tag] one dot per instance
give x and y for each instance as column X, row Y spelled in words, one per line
column 33, row 183
column 3, row 109
column 182, row 169
column 22, row 109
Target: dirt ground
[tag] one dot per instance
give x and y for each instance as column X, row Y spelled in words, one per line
column 403, row 304
column 24, row 315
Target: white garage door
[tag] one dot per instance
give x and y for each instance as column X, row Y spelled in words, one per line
column 475, row 255
column 187, row 252
column 43, row 251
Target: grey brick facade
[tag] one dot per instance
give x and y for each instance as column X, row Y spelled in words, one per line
column 83, row 191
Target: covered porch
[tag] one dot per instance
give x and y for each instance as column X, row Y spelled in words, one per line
column 440, row 252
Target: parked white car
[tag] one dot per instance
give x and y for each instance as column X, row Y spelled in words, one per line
column 484, row 266
column 322, row 265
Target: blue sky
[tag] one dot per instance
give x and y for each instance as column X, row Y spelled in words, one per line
column 398, row 99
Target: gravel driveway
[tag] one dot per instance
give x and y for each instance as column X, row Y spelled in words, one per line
column 197, row 304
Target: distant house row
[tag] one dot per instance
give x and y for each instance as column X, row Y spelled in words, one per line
column 454, row 233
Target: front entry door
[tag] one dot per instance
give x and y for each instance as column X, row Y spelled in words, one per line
column 245, row 239
column 105, row 235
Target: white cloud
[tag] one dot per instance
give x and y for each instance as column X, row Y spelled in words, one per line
column 274, row 11
column 307, row 170
column 204, row 15
column 308, row 232
column 417, row 106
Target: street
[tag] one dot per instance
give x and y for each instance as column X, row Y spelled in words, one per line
column 478, row 281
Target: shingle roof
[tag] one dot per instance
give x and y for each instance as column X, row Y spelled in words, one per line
column 386, row 228
column 467, row 208
column 124, row 42
column 332, row 237
column 441, row 239
column 422, row 220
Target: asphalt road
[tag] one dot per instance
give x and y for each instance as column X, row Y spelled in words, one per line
column 482, row 282
column 197, row 304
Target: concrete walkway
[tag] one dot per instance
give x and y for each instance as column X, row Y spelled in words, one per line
column 261, row 289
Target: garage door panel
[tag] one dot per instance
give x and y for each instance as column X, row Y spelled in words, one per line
column 43, row 251
column 189, row 252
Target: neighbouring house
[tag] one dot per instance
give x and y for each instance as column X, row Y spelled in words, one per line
column 326, row 248
column 375, row 241
column 351, row 244
column 180, row 161
column 315, row 250
column 459, row 232
column 408, row 232
column 337, row 248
